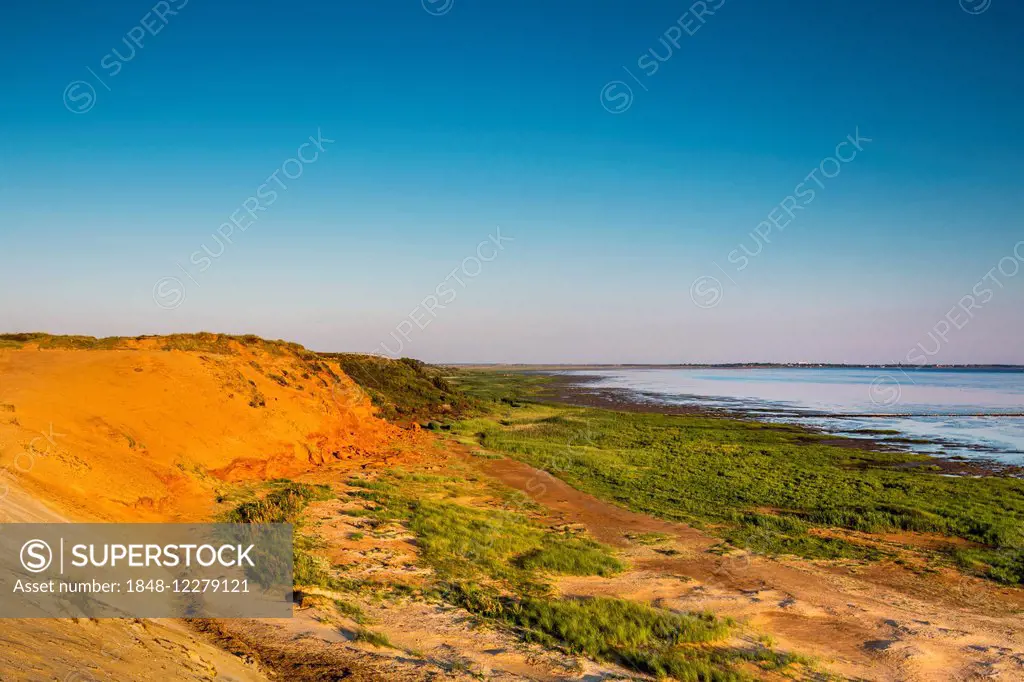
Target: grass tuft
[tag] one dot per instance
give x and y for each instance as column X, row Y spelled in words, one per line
column 377, row 639
column 282, row 504
column 641, row 637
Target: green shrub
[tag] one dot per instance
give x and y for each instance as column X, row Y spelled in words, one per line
column 405, row 390
column 282, row 505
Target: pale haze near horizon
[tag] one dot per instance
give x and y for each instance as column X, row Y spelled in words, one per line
column 613, row 216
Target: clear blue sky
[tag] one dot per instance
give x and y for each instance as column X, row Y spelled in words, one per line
column 451, row 123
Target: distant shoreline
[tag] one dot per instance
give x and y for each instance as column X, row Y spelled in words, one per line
column 527, row 367
column 575, row 390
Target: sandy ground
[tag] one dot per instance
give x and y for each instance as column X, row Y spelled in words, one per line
column 880, row 622
column 149, row 435
column 440, row 638
column 80, row 650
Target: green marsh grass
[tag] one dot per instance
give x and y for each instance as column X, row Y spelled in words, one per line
column 496, row 564
column 761, row 486
column 471, row 542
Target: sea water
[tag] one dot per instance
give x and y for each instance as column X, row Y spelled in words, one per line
column 973, row 413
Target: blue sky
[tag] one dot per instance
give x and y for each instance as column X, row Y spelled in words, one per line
column 450, row 120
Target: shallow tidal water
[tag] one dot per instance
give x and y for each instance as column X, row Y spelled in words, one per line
column 976, row 414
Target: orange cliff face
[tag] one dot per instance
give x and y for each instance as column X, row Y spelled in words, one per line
column 139, row 433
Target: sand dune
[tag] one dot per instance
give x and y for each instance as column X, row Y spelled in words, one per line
column 146, row 434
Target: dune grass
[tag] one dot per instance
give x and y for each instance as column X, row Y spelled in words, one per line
column 377, row 639
column 490, row 558
column 760, row 486
column 496, row 564
column 502, row 543
column 51, row 341
column 350, row 611
column 685, row 646
column 473, row 542
column 206, row 342
column 282, row 504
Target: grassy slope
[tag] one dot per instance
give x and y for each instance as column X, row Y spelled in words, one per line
column 760, row 486
column 404, row 390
